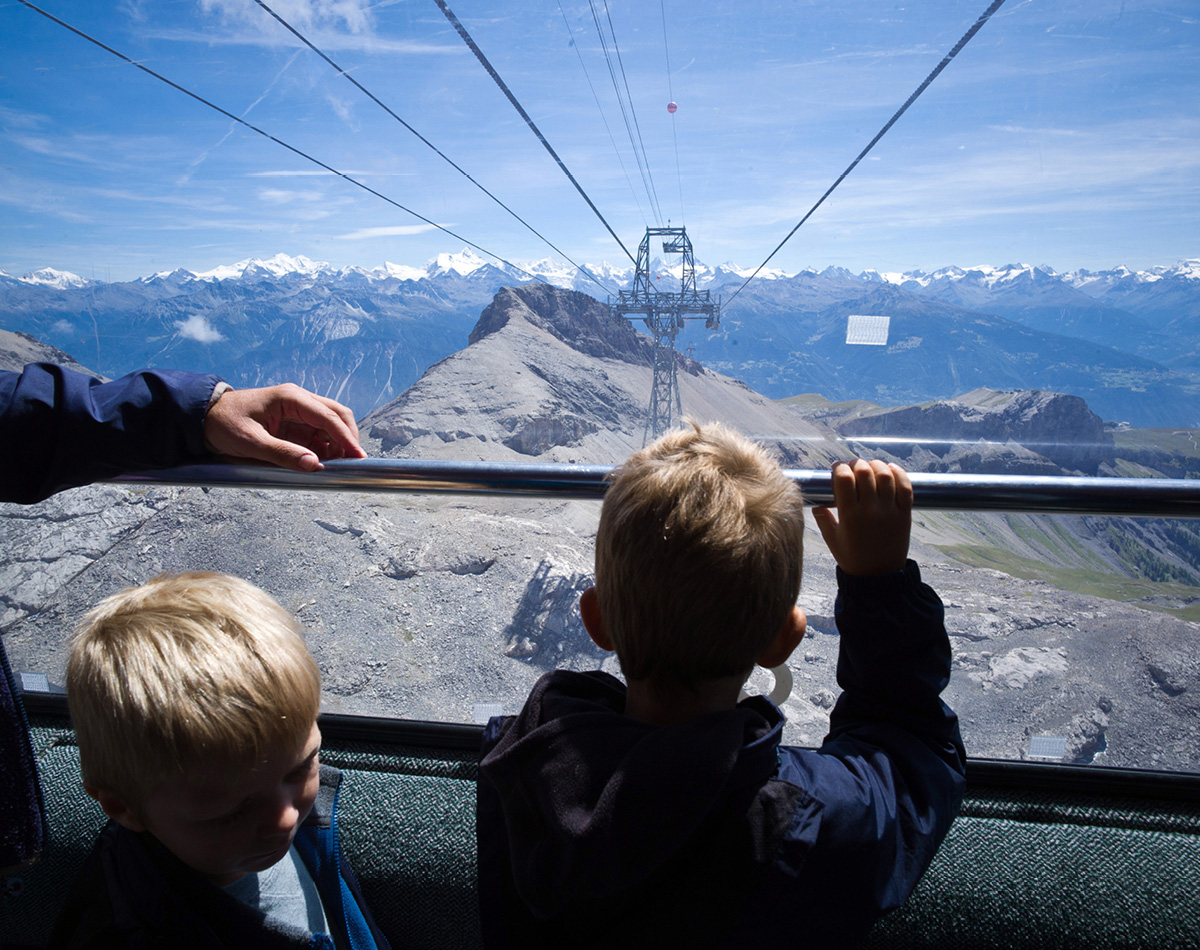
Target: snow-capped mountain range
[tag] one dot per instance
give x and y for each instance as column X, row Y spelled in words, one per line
column 466, row 262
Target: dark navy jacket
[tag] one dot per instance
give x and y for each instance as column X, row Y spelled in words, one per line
column 596, row 828
column 133, row 893
column 62, row 429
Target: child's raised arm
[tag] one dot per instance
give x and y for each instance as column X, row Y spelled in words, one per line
column 869, row 533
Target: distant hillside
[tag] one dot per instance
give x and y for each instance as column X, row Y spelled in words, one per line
column 360, row 340
column 788, row 336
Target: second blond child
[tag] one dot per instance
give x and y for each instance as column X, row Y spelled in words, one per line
column 194, row 698
column 663, row 812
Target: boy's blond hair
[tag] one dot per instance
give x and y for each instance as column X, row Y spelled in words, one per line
column 188, row 671
column 698, row 556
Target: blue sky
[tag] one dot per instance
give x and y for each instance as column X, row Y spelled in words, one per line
column 1067, row 133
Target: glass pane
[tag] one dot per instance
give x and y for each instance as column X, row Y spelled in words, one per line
column 1006, row 283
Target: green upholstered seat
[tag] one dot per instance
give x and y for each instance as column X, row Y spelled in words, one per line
column 1021, row 868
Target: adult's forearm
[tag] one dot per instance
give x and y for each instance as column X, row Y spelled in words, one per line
column 62, row 429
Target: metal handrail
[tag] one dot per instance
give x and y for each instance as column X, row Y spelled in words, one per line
column 1141, row 497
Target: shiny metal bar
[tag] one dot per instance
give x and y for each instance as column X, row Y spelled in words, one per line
column 1144, row 497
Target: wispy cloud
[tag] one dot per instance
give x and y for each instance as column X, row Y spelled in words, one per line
column 353, row 15
column 328, row 40
column 14, row 118
column 331, row 25
column 316, row 172
column 402, row 230
column 1007, row 170
column 71, row 150
column 282, row 196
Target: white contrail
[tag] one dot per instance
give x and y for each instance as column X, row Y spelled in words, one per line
column 199, row 159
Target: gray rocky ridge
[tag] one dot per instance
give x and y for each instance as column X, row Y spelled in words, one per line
column 1026, row 433
column 426, row 606
column 19, row 349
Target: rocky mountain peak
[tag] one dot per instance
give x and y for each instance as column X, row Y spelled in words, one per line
column 580, row 321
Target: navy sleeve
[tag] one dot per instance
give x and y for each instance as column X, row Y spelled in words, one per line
column 61, row 429
column 890, row 775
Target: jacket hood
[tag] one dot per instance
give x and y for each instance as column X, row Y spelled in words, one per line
column 595, row 802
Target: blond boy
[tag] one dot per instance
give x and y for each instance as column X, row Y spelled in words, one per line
column 665, row 812
column 195, row 700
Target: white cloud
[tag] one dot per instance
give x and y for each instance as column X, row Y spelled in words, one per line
column 314, row 172
column 199, row 329
column 343, row 109
column 1013, row 171
column 52, row 148
column 402, row 230
column 24, row 120
column 302, row 14
column 281, row 196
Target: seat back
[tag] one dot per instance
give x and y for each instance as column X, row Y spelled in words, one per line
column 1039, row 857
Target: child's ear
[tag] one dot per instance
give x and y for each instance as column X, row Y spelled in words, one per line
column 786, row 639
column 589, row 609
column 114, row 806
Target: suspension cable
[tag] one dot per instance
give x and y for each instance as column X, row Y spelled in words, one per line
column 268, row 135
column 662, row 6
column 633, row 112
column 975, row 28
column 483, row 60
column 600, row 109
column 633, row 145
column 370, row 95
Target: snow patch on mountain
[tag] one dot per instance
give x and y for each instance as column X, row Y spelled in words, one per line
column 463, row 263
column 885, row 277
column 610, row 272
column 398, row 271
column 280, row 265
column 1091, row 281
column 1188, row 270
column 59, row 279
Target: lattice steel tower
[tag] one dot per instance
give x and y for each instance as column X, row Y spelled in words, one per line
column 664, row 312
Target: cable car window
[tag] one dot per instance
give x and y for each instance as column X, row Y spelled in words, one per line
column 959, row 236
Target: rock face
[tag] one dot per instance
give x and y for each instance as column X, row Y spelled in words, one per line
column 997, row 432
column 19, row 349
column 576, row 319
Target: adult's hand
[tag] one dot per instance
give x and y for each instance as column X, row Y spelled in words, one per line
column 284, row 425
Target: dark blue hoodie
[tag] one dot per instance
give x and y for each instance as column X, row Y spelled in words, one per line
column 594, row 827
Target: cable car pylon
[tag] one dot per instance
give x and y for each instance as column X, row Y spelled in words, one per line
column 664, row 312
